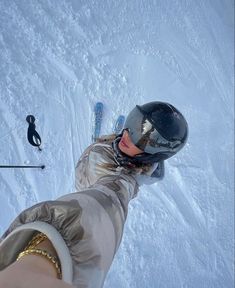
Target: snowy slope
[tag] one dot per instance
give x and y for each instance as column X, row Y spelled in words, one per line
column 58, row 57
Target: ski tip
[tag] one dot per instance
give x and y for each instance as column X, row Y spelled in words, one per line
column 43, row 166
column 119, row 124
column 99, row 105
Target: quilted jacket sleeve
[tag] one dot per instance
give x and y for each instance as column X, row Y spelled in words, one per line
column 85, row 227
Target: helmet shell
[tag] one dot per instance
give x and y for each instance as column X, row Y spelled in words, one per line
column 158, row 129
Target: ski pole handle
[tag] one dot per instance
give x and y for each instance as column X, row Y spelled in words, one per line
column 33, row 136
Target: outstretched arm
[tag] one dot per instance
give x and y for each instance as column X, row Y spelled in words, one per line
column 85, row 227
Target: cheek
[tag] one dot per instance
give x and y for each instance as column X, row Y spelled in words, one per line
column 128, row 140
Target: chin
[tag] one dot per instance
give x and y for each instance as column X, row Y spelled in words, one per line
column 123, row 149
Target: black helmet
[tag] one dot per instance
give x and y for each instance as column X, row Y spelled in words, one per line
column 158, row 129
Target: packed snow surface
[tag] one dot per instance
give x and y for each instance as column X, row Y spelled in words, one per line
column 58, row 58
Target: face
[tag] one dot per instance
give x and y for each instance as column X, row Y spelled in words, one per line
column 127, row 146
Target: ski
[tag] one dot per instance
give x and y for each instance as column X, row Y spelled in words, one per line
column 98, row 111
column 119, row 124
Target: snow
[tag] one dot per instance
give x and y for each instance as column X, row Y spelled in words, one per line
column 57, row 58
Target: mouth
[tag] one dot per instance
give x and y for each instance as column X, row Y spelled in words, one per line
column 122, row 142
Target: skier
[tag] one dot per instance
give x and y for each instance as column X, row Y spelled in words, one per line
column 77, row 235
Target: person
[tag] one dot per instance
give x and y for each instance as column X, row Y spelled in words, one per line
column 71, row 241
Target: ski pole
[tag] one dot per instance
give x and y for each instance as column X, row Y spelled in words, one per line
column 22, row 166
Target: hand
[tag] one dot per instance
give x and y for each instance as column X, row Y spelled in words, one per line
column 22, row 276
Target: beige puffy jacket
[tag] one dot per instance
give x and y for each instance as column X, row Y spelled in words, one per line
column 85, row 227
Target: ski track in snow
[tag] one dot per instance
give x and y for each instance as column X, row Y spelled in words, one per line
column 58, row 58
